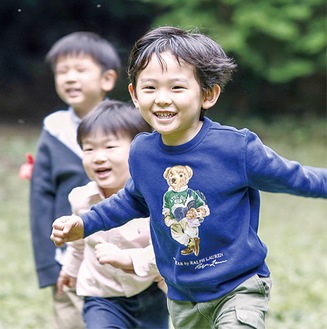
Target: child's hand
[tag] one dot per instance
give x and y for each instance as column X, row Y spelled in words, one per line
column 65, row 280
column 67, row 228
column 108, row 253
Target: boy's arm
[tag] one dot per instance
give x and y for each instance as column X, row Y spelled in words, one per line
column 115, row 211
column 65, row 280
column 143, row 260
column 270, row 172
column 108, row 253
column 140, row 261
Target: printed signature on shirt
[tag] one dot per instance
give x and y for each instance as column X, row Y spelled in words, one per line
column 212, row 264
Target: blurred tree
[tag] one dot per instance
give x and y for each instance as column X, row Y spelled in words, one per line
column 279, row 40
column 278, row 44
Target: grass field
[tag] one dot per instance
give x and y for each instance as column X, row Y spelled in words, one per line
column 293, row 228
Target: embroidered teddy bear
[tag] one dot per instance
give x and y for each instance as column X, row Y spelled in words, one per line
column 184, row 209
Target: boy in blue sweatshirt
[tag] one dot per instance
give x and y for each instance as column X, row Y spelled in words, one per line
column 199, row 182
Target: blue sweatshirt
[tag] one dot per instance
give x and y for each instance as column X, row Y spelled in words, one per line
column 203, row 201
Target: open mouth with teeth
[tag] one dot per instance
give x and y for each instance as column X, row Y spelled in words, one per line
column 165, row 115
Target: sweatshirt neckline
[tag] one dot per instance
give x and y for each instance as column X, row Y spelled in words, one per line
column 190, row 144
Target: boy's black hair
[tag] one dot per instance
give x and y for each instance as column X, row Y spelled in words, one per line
column 88, row 43
column 212, row 65
column 112, row 117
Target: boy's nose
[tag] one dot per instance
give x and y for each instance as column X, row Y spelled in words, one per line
column 71, row 75
column 99, row 157
column 162, row 101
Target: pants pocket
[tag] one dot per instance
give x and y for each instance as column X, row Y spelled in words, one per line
column 252, row 318
column 264, row 285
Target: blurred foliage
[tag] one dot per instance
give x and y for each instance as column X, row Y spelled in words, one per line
column 279, row 46
column 278, row 40
column 30, row 27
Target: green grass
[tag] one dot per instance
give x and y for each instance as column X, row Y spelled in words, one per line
column 293, row 228
column 23, row 305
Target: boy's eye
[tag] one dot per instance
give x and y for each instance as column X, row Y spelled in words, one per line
column 110, row 147
column 61, row 71
column 148, row 88
column 81, row 69
column 178, row 87
column 87, row 148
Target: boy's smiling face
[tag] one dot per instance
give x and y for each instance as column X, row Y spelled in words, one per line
column 80, row 82
column 170, row 99
column 105, row 160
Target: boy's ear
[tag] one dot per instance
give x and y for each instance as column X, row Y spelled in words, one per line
column 210, row 98
column 109, row 79
column 133, row 95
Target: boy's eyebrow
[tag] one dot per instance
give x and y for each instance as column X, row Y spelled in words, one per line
column 147, row 80
column 170, row 80
column 107, row 137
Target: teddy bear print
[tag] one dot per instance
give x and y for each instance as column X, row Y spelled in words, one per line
column 184, row 209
